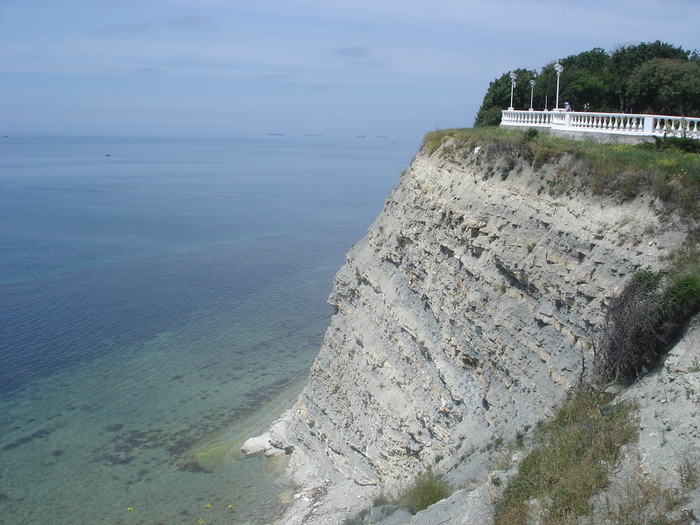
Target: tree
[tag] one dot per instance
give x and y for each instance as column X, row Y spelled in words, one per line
column 498, row 97
column 588, row 91
column 665, row 86
column 588, row 80
column 625, row 59
column 546, row 88
column 596, row 80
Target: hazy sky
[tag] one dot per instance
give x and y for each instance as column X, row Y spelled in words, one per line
column 334, row 67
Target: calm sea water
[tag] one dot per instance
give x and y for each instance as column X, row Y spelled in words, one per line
column 160, row 300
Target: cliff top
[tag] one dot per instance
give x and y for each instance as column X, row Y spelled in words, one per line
column 668, row 169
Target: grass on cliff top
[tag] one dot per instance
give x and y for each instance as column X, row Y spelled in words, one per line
column 668, row 170
column 570, row 460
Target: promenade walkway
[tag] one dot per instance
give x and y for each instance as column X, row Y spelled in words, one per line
column 614, row 127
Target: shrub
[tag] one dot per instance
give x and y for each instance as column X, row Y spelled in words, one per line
column 630, row 344
column 530, row 134
column 682, row 298
column 432, row 141
column 682, row 144
column 689, row 471
column 642, row 321
column 508, row 167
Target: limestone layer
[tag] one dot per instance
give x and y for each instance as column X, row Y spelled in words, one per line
column 464, row 315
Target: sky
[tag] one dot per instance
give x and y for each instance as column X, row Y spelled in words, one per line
column 397, row 68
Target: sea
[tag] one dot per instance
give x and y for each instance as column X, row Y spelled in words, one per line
column 162, row 300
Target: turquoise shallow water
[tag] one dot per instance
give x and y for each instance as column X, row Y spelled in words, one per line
column 160, row 300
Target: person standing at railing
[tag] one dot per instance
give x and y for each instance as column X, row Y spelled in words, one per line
column 567, row 107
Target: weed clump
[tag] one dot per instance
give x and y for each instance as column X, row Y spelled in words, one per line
column 569, row 461
column 428, row 488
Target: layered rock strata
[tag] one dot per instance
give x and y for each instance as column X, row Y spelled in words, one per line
column 463, row 316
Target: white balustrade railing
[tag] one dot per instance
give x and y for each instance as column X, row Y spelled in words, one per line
column 607, row 123
column 528, row 118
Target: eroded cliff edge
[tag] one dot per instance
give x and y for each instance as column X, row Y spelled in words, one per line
column 463, row 316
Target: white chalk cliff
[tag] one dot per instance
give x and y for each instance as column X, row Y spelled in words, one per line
column 464, row 315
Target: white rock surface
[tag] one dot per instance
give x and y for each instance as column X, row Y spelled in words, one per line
column 464, row 315
column 256, row 445
column 668, row 448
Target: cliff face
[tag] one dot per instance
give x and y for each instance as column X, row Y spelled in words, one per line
column 463, row 316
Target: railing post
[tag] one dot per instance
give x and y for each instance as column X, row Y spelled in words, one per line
column 648, row 125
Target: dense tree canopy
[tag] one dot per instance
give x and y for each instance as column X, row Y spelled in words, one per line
column 645, row 78
column 665, row 85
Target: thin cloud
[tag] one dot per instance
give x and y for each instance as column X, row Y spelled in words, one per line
column 358, row 56
column 190, row 23
column 178, row 25
column 146, row 71
column 281, row 77
column 393, row 60
column 121, row 30
column 352, row 53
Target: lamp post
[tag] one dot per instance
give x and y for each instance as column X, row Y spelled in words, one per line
column 532, row 93
column 513, row 76
column 558, row 68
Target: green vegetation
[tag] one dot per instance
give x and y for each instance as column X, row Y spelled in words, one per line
column 644, row 78
column 682, row 145
column 666, row 86
column 465, row 136
column 637, row 500
column 574, row 456
column 569, row 460
column 211, row 457
column 667, row 169
column 426, row 489
column 642, row 321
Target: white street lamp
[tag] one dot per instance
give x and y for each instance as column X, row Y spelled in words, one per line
column 513, row 76
column 558, row 68
column 532, row 93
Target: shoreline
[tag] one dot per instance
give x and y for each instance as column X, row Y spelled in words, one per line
column 319, row 491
